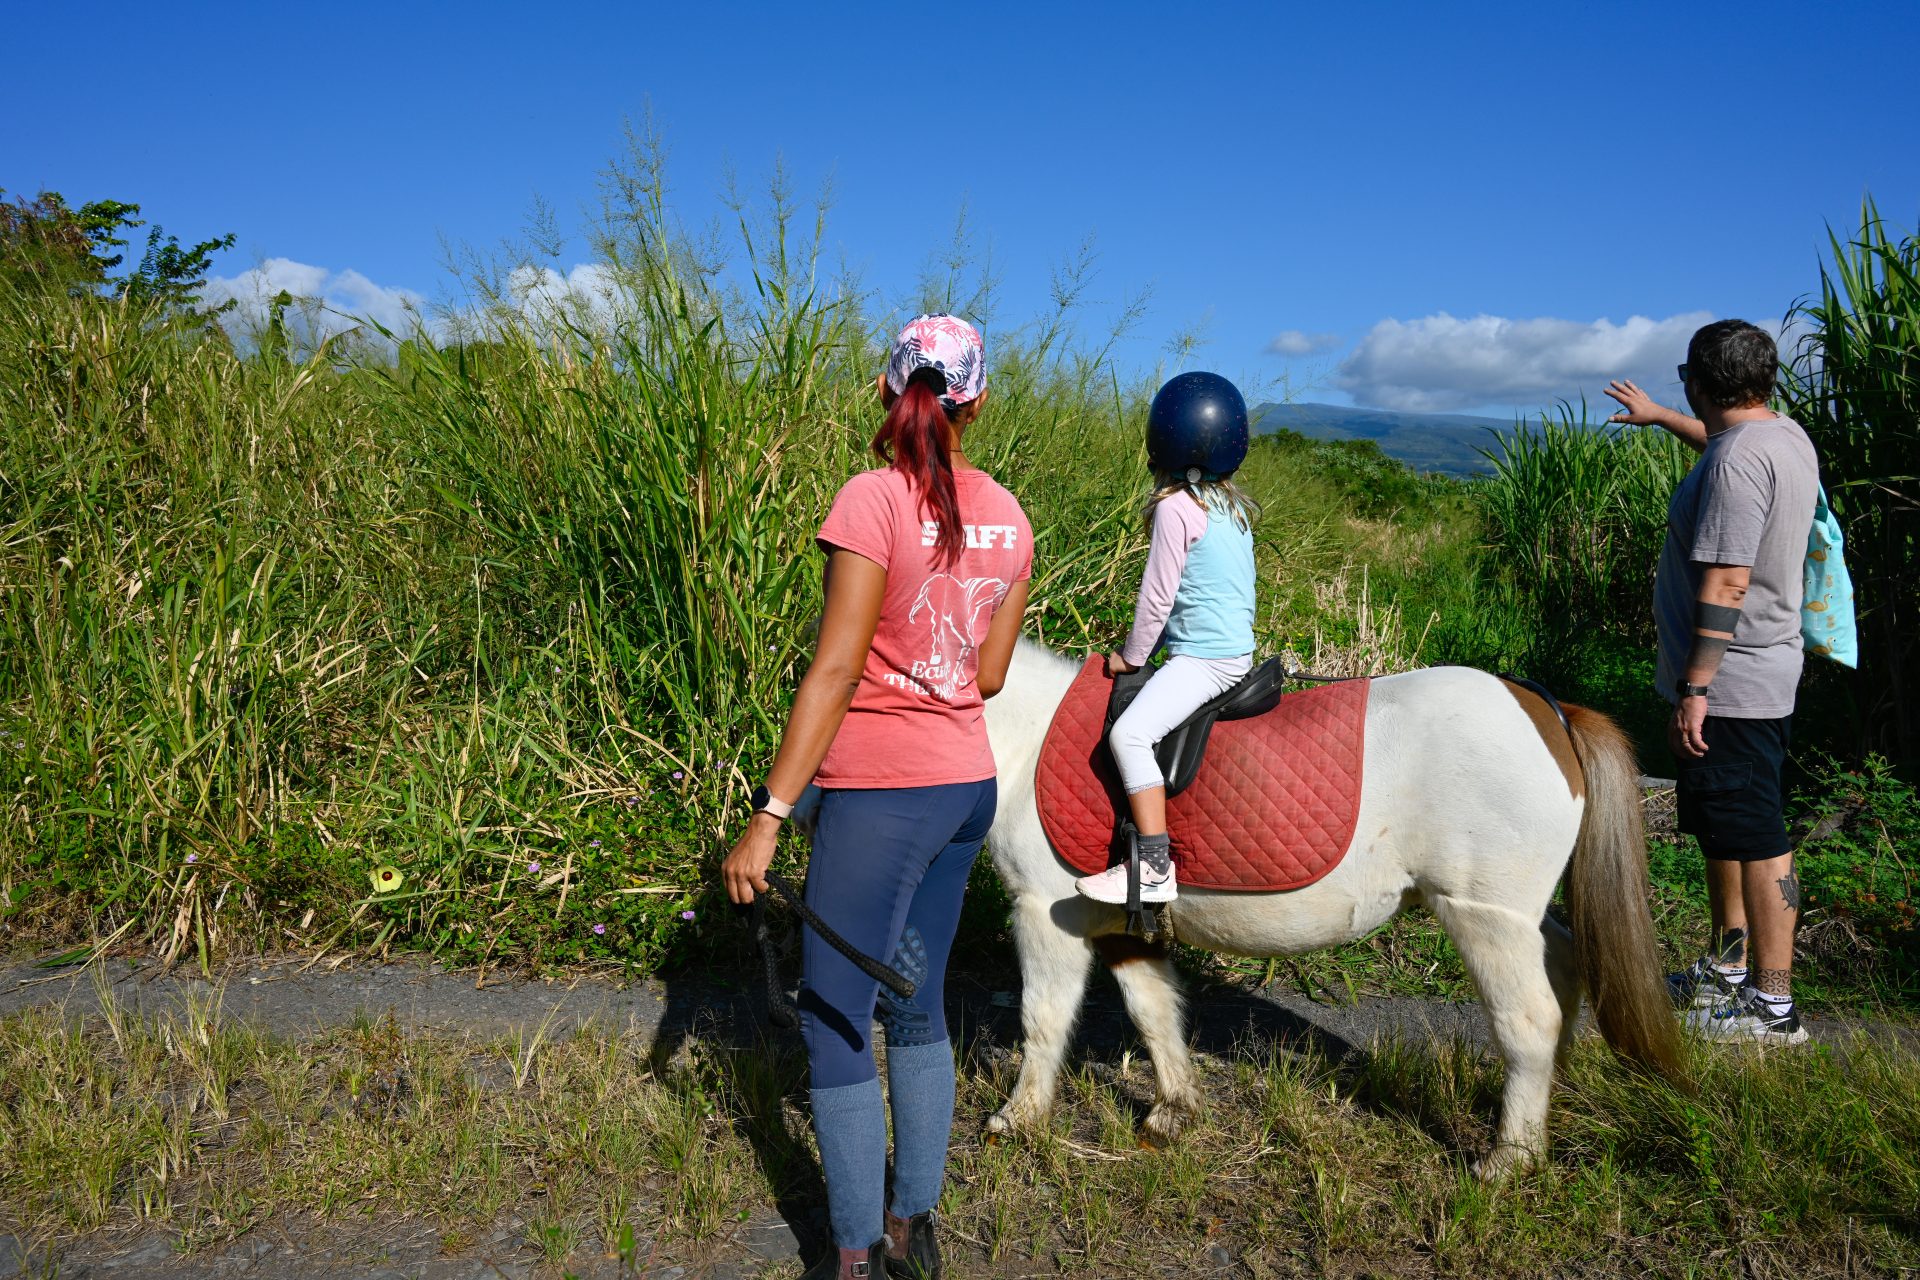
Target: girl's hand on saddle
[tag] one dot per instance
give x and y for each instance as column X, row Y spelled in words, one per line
column 1118, row 666
column 745, row 870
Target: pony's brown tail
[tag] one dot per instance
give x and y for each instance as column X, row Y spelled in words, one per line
column 1607, row 896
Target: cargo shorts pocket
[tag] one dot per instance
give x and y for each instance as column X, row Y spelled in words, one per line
column 1718, row 779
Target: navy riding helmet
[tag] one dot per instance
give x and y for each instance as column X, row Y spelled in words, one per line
column 1198, row 423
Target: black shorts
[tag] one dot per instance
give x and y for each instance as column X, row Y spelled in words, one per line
column 1730, row 798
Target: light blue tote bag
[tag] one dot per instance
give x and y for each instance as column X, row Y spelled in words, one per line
column 1826, row 611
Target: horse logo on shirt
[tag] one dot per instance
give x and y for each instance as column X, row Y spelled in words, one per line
column 953, row 607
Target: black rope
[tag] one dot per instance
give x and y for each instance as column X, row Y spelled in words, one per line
column 779, row 1008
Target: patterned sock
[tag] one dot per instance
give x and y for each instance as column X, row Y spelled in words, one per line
column 1735, row 976
column 1156, row 852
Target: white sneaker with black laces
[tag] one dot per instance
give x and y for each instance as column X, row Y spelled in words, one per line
column 1110, row 886
column 1748, row 1018
column 1701, row 985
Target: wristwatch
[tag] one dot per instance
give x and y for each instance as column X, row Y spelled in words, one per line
column 1686, row 690
column 763, row 801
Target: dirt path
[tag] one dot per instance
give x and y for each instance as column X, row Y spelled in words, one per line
column 295, row 1000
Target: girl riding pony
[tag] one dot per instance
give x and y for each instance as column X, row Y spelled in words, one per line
column 1196, row 602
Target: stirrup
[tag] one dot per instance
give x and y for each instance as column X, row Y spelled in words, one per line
column 1143, row 918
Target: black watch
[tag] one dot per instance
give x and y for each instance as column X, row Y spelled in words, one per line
column 1686, row 690
column 762, row 801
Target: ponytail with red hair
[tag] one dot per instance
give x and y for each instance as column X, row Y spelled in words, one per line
column 913, row 441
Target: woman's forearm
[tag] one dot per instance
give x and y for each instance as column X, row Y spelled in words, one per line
column 819, row 705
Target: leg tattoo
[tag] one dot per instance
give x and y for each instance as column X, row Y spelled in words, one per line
column 1774, row 982
column 1730, row 947
column 1790, row 890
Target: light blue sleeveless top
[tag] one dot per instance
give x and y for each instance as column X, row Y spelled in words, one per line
column 1212, row 613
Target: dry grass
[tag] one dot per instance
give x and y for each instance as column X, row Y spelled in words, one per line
column 198, row 1126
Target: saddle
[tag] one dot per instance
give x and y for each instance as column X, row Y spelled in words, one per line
column 1269, row 790
column 1179, row 753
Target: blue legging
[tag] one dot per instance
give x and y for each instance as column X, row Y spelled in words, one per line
column 888, row 872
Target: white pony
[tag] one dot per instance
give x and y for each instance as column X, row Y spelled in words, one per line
column 1473, row 800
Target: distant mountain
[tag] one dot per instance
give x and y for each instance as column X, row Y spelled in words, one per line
column 1444, row 442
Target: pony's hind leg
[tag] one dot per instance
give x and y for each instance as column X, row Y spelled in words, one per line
column 1563, row 970
column 1151, row 989
column 1053, row 976
column 1505, row 953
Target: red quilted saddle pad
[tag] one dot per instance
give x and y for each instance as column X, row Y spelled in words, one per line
column 1273, row 806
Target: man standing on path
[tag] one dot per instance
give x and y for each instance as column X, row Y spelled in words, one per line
column 1727, row 609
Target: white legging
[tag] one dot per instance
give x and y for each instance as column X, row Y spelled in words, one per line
column 1177, row 690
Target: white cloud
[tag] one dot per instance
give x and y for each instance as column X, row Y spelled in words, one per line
column 1295, row 342
column 588, row 292
column 1440, row 363
column 328, row 302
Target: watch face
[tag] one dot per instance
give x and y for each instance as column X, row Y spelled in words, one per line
column 760, row 799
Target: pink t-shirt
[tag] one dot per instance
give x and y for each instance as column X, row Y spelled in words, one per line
column 916, row 716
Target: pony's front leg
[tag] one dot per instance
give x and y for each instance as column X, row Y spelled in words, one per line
column 1053, row 973
column 1151, row 988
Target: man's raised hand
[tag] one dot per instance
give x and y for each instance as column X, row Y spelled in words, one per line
column 1640, row 408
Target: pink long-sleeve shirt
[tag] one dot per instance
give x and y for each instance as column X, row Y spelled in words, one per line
column 1178, row 523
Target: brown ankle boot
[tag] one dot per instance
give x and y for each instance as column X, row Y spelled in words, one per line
column 847, row 1264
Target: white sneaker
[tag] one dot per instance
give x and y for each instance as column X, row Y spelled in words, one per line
column 1748, row 1017
column 1110, row 886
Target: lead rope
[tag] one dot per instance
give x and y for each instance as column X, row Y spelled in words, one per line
column 780, row 1009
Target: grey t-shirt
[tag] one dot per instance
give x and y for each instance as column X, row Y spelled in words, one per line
column 1748, row 501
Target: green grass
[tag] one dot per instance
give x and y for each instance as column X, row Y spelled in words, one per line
column 519, row 615
column 201, row 1128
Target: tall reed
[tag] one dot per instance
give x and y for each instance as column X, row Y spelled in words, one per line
column 514, row 611
column 1853, row 381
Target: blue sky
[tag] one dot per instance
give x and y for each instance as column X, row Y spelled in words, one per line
column 1447, row 207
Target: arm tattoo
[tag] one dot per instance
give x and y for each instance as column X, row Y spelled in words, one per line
column 1715, row 619
column 1705, row 656
column 1790, row 890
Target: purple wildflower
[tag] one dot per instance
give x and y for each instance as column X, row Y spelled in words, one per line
column 593, row 844
column 677, row 775
column 192, row 858
column 686, row 915
column 599, row 928
column 533, row 868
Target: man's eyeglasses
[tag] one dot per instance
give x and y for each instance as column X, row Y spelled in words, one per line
column 1682, row 371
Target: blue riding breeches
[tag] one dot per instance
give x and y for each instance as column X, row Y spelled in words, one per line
column 888, row 873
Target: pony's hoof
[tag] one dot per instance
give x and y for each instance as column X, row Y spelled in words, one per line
column 1162, row 1128
column 1504, row 1162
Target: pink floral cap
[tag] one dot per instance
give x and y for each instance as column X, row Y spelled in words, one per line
column 946, row 343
